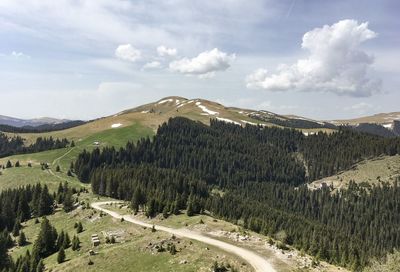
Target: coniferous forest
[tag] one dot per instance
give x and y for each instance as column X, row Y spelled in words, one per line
column 22, row 204
column 15, row 145
column 262, row 173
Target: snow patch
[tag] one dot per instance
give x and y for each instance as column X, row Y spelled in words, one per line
column 228, row 120
column 309, row 133
column 116, row 125
column 204, row 109
column 248, row 122
column 388, row 126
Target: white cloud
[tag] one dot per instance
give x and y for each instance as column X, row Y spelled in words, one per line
column 127, row 52
column 152, row 65
column 205, row 64
column 19, row 55
column 335, row 64
column 164, row 51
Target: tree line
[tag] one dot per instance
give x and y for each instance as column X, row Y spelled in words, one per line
column 15, row 145
column 41, row 128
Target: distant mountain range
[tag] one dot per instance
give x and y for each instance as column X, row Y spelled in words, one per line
column 17, row 122
column 155, row 113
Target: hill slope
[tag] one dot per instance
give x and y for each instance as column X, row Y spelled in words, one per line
column 154, row 114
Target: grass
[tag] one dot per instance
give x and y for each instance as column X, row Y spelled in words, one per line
column 131, row 253
column 372, row 171
column 21, row 176
column 218, row 229
column 14, row 177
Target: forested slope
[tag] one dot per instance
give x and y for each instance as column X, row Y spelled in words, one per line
column 15, row 145
column 262, row 179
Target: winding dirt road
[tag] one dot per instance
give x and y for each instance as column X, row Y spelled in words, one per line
column 259, row 263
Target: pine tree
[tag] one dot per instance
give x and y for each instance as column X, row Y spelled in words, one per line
column 45, row 244
column 9, row 164
column 61, row 255
column 165, row 212
column 17, row 164
column 60, row 239
column 58, row 169
column 23, row 212
column 68, row 203
column 79, row 229
column 189, row 210
column 5, row 260
column 22, row 239
column 16, row 229
column 75, row 243
column 45, row 205
column 67, row 241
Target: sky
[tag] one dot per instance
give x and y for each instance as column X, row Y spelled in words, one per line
column 83, row 59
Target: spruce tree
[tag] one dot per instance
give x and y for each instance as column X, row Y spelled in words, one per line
column 61, row 255
column 45, row 244
column 79, row 228
column 68, row 203
column 22, row 239
column 67, row 241
column 16, row 228
column 9, row 164
column 75, row 243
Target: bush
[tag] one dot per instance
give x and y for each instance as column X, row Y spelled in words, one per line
column 282, row 246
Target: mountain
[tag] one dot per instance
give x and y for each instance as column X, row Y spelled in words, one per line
column 382, row 124
column 152, row 115
column 17, row 122
column 204, row 110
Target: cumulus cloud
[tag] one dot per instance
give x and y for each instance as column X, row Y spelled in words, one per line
column 164, row 51
column 335, row 64
column 127, row 52
column 152, row 65
column 205, row 64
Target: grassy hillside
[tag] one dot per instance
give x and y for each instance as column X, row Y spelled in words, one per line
column 372, row 171
column 134, row 250
column 148, row 117
column 23, row 175
column 379, row 118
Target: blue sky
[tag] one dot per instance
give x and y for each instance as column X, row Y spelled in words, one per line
column 83, row 59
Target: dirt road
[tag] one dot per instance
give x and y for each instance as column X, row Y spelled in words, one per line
column 259, row 263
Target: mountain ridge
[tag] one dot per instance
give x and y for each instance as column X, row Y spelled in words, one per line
column 34, row 122
column 153, row 114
